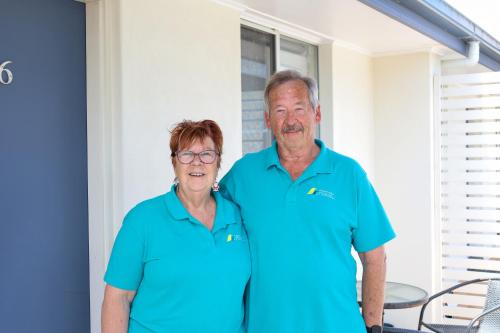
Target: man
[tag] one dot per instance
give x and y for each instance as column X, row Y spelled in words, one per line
column 304, row 206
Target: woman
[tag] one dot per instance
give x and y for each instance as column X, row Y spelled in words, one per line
column 180, row 262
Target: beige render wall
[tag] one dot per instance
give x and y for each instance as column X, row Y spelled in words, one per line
column 180, row 60
column 353, row 107
column 404, row 168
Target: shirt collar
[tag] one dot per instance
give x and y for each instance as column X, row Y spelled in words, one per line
column 272, row 158
column 222, row 216
column 225, row 213
column 321, row 164
column 174, row 205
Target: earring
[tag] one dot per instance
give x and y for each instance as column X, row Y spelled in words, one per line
column 215, row 186
column 176, row 181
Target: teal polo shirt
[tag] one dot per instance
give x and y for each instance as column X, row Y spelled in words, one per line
column 187, row 278
column 301, row 233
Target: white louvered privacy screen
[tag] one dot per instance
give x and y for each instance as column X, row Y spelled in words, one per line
column 470, row 188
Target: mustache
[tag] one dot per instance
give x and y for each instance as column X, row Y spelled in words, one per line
column 292, row 128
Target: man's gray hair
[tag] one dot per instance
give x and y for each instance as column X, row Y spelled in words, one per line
column 282, row 77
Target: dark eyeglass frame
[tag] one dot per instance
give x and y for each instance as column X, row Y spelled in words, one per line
column 199, row 155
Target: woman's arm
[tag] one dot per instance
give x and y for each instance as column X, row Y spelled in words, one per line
column 115, row 310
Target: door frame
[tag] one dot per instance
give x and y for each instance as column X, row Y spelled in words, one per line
column 105, row 195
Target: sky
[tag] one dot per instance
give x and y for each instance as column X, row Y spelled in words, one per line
column 485, row 13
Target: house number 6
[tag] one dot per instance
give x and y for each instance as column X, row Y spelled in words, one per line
column 3, row 70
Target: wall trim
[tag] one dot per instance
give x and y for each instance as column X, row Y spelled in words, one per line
column 104, row 144
column 436, row 267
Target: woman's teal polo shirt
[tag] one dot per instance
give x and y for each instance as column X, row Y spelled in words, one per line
column 188, row 278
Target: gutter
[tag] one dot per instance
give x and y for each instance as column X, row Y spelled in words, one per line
column 443, row 23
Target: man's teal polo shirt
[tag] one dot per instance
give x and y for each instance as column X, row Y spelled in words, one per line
column 188, row 279
column 300, row 234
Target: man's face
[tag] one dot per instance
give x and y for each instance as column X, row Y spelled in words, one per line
column 291, row 117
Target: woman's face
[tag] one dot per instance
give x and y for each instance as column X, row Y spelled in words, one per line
column 193, row 170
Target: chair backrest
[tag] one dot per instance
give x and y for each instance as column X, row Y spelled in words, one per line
column 491, row 322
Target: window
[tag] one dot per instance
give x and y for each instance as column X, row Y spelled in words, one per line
column 259, row 60
column 257, row 65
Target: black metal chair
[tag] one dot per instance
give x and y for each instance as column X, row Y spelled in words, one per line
column 399, row 330
column 486, row 322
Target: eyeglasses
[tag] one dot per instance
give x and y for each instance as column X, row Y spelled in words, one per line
column 206, row 156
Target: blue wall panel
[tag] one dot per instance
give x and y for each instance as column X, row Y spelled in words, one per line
column 43, row 168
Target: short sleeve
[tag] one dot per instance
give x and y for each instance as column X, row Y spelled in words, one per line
column 228, row 184
column 126, row 264
column 373, row 227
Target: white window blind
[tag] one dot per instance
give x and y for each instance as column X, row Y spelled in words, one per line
column 470, row 189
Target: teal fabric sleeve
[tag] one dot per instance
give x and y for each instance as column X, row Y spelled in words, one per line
column 125, row 267
column 373, row 227
column 227, row 184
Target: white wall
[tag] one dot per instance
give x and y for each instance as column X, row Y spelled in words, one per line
column 180, row 60
column 353, row 108
column 150, row 65
column 404, row 168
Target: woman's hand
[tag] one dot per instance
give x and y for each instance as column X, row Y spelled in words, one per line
column 115, row 310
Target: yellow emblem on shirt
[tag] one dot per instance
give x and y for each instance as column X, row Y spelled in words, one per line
column 312, row 190
column 229, row 238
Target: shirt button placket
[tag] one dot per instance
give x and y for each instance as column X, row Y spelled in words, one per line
column 207, row 238
column 213, row 236
column 291, row 194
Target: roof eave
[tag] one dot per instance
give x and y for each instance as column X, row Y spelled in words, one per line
column 441, row 22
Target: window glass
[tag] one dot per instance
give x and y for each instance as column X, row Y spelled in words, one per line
column 257, row 65
column 301, row 57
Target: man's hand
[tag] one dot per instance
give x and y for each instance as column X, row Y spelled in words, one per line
column 374, row 266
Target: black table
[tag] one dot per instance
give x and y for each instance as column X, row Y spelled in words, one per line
column 399, row 295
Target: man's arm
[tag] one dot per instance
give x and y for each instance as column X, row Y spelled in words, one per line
column 374, row 266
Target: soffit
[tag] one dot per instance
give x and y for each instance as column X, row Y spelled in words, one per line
column 346, row 21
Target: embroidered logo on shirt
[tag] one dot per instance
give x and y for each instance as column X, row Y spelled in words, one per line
column 233, row 238
column 312, row 190
column 323, row 193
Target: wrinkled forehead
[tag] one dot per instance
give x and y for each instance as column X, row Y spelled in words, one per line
column 288, row 89
column 198, row 143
